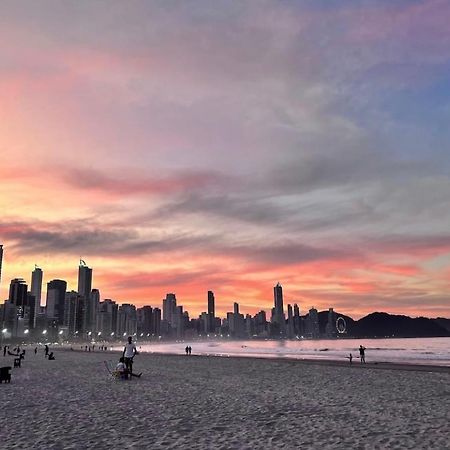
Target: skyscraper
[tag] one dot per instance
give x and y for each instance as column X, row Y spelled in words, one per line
column 106, row 320
column 1, row 260
column 313, row 324
column 169, row 307
column 290, row 330
column 55, row 305
column 92, row 303
column 84, row 280
column 278, row 311
column 18, row 293
column 36, row 290
column 211, row 312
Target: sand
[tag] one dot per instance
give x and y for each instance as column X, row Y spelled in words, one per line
column 220, row 403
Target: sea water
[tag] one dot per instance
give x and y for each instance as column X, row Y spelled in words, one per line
column 432, row 351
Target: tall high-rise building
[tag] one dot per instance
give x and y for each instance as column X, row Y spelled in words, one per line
column 211, row 312
column 1, row 260
column 278, row 312
column 55, row 305
column 330, row 328
column 145, row 319
column 169, row 308
column 297, row 321
column 106, row 320
column 36, row 290
column 291, row 329
column 156, row 325
column 92, row 303
column 236, row 322
column 126, row 320
column 74, row 313
column 312, row 324
column 18, row 292
column 178, row 321
column 19, row 307
column 84, row 280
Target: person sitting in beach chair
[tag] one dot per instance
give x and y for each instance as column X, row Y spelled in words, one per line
column 123, row 372
column 51, row 356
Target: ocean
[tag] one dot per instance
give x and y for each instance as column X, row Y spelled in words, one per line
column 432, row 351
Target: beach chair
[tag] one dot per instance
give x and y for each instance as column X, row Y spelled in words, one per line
column 5, row 375
column 113, row 373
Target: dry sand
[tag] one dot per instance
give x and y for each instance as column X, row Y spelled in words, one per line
column 220, row 403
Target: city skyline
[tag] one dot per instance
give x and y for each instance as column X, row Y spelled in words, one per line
column 85, row 288
column 281, row 315
column 226, row 146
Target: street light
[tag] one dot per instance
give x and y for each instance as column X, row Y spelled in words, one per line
column 112, row 334
column 4, row 331
column 26, row 331
column 61, row 331
column 44, row 332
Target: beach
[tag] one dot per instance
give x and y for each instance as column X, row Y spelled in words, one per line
column 221, row 403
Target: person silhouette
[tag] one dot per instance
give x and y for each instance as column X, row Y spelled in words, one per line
column 46, row 350
column 187, row 350
column 129, row 352
column 190, row 350
column 362, row 354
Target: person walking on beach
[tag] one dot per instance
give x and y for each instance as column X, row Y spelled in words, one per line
column 186, row 350
column 129, row 351
column 4, row 350
column 190, row 350
column 35, row 350
column 362, row 354
column 46, row 350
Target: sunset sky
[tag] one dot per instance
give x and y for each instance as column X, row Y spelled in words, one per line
column 181, row 146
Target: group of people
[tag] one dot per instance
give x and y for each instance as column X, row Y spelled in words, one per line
column 16, row 351
column 124, row 368
column 47, row 353
column 188, row 350
column 89, row 348
column 362, row 355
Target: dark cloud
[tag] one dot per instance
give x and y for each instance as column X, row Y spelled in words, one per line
column 90, row 240
column 134, row 182
column 290, row 253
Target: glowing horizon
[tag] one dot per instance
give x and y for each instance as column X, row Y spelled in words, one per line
column 227, row 146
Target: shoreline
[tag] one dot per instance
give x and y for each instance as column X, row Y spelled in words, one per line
column 382, row 365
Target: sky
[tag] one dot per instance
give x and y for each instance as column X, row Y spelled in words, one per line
column 186, row 146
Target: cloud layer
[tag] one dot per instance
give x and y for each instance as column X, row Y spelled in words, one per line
column 227, row 146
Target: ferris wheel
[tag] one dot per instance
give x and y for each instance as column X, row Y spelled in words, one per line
column 341, row 325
